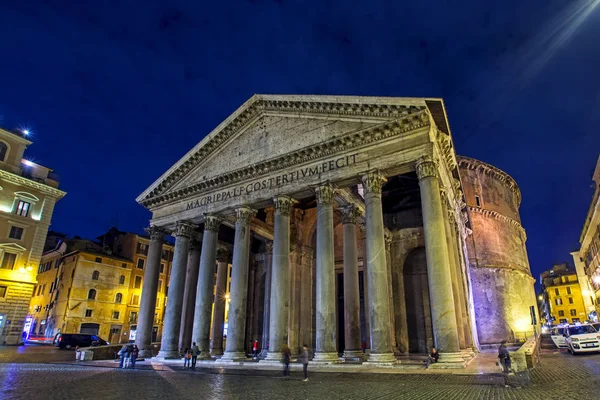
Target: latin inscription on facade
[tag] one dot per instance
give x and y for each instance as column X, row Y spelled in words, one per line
column 276, row 181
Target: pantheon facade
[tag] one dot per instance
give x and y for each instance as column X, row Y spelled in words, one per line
column 348, row 224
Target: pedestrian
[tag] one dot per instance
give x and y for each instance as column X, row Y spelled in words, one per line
column 255, row 349
column 135, row 351
column 195, row 354
column 187, row 358
column 304, row 359
column 432, row 358
column 127, row 360
column 287, row 355
column 504, row 357
column 122, row 353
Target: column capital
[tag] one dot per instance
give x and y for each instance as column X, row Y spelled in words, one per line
column 155, row 232
column 244, row 215
column 195, row 245
column 222, row 255
column 350, row 213
column 212, row 222
column 426, row 168
column 269, row 247
column 283, row 204
column 184, row 229
column 324, row 193
column 373, row 182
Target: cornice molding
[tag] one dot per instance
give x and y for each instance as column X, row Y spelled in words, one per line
column 402, row 119
column 47, row 190
column 490, row 170
column 498, row 216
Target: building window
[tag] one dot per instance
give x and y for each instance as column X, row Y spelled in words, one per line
column 118, row 298
column 92, row 294
column 556, row 291
column 88, row 312
column 99, row 260
column 160, row 285
column 22, row 208
column 8, row 261
column 158, row 302
column 558, row 302
column 115, row 315
column 568, row 290
column 3, row 151
column 15, row 233
column 140, row 263
column 95, row 275
column 478, row 201
column 122, row 280
column 138, row 282
column 563, row 321
column 570, row 300
column 561, row 313
column 135, row 300
column 162, row 268
column 124, row 265
column 573, row 313
column 3, row 290
column 575, row 320
column 133, row 317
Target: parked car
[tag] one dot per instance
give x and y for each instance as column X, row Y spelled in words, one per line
column 582, row 339
column 558, row 337
column 70, row 340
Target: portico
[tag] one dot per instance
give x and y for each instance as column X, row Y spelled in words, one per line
column 289, row 183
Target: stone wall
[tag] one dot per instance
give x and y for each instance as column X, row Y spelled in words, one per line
column 14, row 307
column 499, row 267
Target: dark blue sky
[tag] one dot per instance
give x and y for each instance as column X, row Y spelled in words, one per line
column 116, row 93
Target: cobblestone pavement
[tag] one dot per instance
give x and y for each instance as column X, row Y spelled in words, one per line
column 561, row 376
column 34, row 353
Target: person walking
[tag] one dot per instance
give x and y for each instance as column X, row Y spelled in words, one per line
column 304, row 359
column 122, row 353
column 255, row 349
column 135, row 351
column 195, row 353
column 187, row 358
column 287, row 355
column 504, row 357
column 127, row 360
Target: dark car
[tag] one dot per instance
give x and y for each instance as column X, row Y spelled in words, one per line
column 70, row 340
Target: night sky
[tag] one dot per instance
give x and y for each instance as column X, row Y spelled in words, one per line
column 116, row 93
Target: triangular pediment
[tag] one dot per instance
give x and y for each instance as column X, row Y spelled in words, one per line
column 265, row 129
column 12, row 246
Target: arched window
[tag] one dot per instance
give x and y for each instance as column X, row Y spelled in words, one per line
column 3, row 151
column 122, row 280
column 118, row 298
column 95, row 275
column 92, row 294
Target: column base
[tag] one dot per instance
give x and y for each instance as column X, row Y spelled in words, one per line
column 204, row 355
column 449, row 360
column 381, row 359
column 233, row 357
column 326, row 358
column 468, row 354
column 168, row 355
column 353, row 355
column 146, row 353
column 273, row 357
column 216, row 352
column 263, row 353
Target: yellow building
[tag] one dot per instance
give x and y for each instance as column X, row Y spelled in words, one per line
column 563, row 295
column 28, row 193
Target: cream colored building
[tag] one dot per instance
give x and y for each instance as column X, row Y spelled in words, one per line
column 28, row 193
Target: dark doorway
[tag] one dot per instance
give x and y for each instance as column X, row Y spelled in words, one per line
column 90, row 329
column 418, row 310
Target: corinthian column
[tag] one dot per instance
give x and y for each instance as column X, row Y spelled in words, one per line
column 267, row 306
column 216, row 348
column 143, row 336
column 325, row 349
column 234, row 348
column 379, row 306
column 280, row 279
column 352, row 345
column 172, row 323
column 445, row 330
column 206, row 281
column 189, row 295
column 388, row 262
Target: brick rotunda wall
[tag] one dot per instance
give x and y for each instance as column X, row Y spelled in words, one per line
column 498, row 264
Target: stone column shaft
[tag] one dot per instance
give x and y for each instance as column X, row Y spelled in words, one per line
column 169, row 347
column 234, row 347
column 216, row 348
column 445, row 330
column 280, row 279
column 367, row 337
column 388, row 262
column 352, row 343
column 143, row 337
column 189, row 296
column 379, row 306
column 325, row 349
column 206, row 281
column 267, row 307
